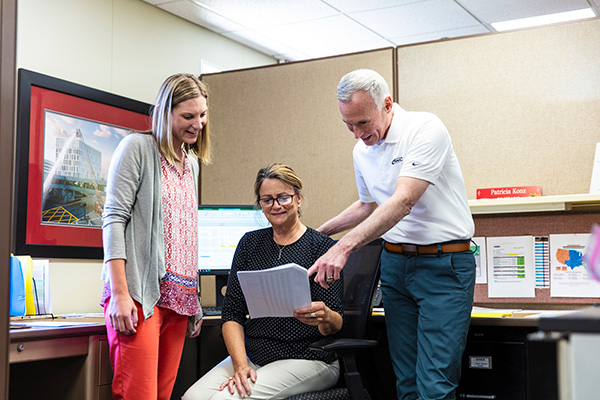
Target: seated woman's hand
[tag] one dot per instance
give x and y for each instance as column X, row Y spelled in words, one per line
column 312, row 315
column 239, row 380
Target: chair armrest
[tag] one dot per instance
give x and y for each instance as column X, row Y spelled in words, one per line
column 337, row 344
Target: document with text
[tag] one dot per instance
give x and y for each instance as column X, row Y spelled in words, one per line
column 570, row 276
column 511, row 269
column 478, row 250
column 41, row 281
column 275, row 292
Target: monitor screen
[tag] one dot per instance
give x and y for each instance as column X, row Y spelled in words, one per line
column 220, row 227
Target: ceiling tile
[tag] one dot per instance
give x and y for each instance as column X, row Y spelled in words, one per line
column 300, row 29
column 416, row 18
column 200, row 16
column 342, row 34
column 261, row 13
column 348, row 6
column 506, row 10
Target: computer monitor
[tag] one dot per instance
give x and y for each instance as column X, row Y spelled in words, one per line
column 220, row 227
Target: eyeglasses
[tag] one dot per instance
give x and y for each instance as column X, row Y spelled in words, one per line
column 284, row 200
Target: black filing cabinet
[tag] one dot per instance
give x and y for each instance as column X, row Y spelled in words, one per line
column 494, row 364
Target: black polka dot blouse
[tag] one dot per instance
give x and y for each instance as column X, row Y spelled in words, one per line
column 277, row 338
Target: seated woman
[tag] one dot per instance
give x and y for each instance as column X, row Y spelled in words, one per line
column 269, row 358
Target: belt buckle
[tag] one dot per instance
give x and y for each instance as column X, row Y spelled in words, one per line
column 410, row 249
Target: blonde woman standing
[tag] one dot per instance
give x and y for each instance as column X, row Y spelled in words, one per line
column 150, row 242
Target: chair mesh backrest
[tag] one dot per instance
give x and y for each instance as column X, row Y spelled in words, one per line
column 361, row 274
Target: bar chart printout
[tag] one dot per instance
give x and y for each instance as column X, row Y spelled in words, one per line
column 542, row 262
column 511, row 269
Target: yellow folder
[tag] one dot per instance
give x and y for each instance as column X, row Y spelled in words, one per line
column 27, row 264
column 490, row 314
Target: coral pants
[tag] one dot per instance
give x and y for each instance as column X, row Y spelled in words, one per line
column 145, row 364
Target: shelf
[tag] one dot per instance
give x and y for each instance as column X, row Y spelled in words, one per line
column 534, row 204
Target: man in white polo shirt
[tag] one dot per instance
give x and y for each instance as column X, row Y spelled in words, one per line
column 411, row 192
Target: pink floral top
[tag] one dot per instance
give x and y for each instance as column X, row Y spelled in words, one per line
column 179, row 285
column 178, row 288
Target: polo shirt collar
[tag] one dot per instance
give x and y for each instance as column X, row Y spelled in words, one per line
column 395, row 130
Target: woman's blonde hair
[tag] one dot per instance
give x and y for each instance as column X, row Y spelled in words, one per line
column 175, row 90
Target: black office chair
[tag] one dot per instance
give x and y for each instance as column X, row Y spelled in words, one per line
column 361, row 275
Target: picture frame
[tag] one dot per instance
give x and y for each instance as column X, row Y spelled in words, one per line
column 66, row 134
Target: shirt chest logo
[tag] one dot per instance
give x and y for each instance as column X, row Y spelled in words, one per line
column 397, row 160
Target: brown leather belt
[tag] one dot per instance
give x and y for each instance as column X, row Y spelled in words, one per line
column 413, row 249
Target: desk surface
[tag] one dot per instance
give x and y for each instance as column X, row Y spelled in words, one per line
column 521, row 318
column 496, row 317
column 585, row 320
column 64, row 354
column 65, row 327
column 95, row 325
column 480, row 321
column 86, row 327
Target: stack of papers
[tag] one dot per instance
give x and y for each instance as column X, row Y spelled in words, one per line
column 275, row 292
column 50, row 324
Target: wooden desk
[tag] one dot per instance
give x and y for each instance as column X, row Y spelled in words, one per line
column 73, row 363
column 60, row 362
column 211, row 347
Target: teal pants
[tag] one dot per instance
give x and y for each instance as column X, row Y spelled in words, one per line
column 428, row 301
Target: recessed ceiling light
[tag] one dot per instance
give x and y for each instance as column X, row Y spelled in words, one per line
column 544, row 19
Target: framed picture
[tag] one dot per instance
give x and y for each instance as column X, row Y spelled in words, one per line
column 66, row 134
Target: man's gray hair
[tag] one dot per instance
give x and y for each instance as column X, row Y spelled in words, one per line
column 363, row 80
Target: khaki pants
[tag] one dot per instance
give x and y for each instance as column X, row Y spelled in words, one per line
column 277, row 380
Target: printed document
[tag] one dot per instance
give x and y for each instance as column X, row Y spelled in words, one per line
column 275, row 292
column 542, row 262
column 480, row 259
column 511, row 271
column 569, row 275
column 41, row 283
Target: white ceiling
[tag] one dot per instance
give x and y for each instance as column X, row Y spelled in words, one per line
column 292, row 30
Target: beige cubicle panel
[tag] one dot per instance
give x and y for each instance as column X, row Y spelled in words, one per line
column 285, row 113
column 522, row 107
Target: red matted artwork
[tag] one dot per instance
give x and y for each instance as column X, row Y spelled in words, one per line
column 66, row 134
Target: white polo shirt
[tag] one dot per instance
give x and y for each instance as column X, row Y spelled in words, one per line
column 417, row 145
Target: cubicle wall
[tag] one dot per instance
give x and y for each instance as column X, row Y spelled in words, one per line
column 522, row 109
column 289, row 114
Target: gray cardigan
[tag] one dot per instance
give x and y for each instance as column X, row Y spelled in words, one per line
column 132, row 226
